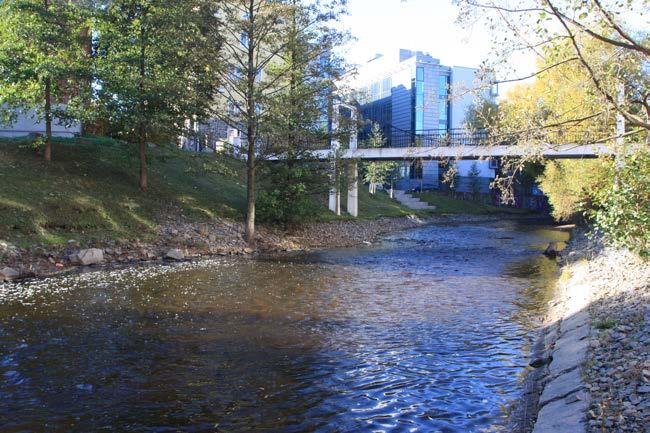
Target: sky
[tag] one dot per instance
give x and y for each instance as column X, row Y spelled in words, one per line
column 385, row 26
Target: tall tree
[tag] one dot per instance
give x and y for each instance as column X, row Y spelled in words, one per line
column 43, row 60
column 374, row 172
column 156, row 67
column 263, row 57
column 305, row 72
column 253, row 37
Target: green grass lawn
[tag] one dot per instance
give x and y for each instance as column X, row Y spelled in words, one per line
column 448, row 205
column 90, row 191
column 371, row 206
column 381, row 204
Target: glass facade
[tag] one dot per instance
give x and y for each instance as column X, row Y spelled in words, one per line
column 419, row 100
column 375, row 91
column 443, row 102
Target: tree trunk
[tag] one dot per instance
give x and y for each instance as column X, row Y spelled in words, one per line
column 250, row 194
column 251, row 120
column 143, row 159
column 143, row 130
column 48, row 119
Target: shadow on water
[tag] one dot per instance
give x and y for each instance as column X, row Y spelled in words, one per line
column 428, row 331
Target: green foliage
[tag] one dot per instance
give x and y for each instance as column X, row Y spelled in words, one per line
column 43, row 56
column 377, row 173
column 290, row 190
column 276, row 61
column 482, row 115
column 569, row 183
column 154, row 64
column 605, row 324
column 621, row 209
column 474, row 181
column 616, row 201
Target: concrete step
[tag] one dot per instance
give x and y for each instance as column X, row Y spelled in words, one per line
column 412, row 202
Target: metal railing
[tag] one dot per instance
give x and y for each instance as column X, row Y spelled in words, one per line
column 395, row 137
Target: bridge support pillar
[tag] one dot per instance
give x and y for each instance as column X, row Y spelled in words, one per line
column 335, row 193
column 353, row 189
column 335, row 201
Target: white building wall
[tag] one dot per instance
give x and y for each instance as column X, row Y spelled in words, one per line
column 28, row 123
column 462, row 80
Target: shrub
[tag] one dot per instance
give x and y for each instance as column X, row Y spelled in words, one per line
column 289, row 191
column 474, row 181
column 568, row 185
column 621, row 209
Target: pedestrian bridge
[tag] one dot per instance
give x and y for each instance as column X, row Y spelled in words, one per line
column 353, row 154
column 443, row 145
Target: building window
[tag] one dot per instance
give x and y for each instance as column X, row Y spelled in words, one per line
column 386, row 86
column 419, row 95
column 419, row 120
column 419, row 74
column 443, row 102
column 374, row 91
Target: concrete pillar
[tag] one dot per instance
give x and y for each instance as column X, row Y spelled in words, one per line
column 353, row 189
column 335, row 201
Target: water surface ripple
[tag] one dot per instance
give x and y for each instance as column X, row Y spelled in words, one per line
column 428, row 331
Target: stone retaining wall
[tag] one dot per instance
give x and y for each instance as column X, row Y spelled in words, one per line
column 597, row 340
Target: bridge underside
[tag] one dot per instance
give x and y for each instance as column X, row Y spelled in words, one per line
column 564, row 151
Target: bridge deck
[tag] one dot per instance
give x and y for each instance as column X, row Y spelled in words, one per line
column 564, row 151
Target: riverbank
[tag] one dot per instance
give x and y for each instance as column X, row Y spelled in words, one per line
column 85, row 208
column 593, row 367
column 180, row 239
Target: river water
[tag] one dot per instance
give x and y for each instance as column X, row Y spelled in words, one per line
column 428, row 331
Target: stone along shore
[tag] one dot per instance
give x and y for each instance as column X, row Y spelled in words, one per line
column 593, row 367
column 177, row 239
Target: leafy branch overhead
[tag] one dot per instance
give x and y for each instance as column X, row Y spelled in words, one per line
column 591, row 37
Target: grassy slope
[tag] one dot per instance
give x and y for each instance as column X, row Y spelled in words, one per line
column 449, row 205
column 371, row 207
column 90, row 190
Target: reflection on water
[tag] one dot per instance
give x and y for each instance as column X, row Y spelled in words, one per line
column 428, row 331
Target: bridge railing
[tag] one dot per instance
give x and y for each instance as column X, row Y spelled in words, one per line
column 395, row 137
column 428, row 138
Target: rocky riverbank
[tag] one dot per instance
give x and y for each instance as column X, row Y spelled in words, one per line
column 179, row 239
column 593, row 363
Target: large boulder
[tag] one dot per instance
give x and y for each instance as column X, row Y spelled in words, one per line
column 175, row 254
column 91, row 256
column 8, row 274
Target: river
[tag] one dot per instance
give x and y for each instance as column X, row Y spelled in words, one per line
column 427, row 331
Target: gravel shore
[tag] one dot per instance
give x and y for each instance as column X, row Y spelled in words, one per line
column 178, row 239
